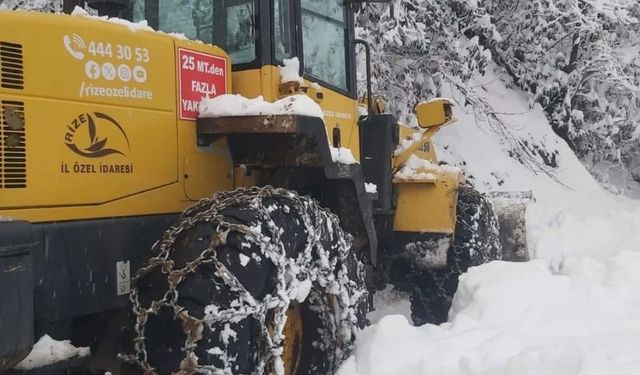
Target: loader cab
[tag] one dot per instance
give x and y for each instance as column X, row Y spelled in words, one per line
column 259, row 33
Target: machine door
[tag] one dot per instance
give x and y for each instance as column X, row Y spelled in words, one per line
column 320, row 34
column 322, row 38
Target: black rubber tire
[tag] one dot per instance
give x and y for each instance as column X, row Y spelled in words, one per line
column 476, row 241
column 241, row 344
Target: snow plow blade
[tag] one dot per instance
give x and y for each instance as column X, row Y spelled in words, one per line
column 511, row 208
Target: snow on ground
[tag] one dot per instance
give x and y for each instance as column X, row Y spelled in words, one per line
column 48, row 351
column 575, row 309
column 390, row 301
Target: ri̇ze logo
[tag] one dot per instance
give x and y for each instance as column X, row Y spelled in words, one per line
column 96, row 135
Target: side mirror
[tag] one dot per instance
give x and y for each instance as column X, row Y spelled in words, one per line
column 435, row 112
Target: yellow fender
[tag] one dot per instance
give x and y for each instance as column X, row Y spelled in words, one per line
column 427, row 192
column 428, row 205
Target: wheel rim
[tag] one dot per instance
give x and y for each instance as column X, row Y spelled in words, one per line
column 292, row 345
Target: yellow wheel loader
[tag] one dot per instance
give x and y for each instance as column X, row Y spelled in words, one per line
column 168, row 242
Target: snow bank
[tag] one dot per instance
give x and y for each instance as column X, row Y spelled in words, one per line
column 579, row 316
column 48, row 351
column 237, row 105
column 518, row 319
column 390, row 301
column 575, row 309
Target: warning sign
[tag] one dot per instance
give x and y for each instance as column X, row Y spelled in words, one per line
column 200, row 75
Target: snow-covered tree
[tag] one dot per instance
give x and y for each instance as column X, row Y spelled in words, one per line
column 569, row 56
column 38, row 5
column 574, row 57
column 416, row 45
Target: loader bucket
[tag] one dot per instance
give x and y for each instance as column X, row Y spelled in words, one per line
column 510, row 208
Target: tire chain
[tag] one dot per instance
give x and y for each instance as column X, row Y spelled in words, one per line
column 325, row 267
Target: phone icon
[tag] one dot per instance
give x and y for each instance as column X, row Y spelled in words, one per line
column 74, row 46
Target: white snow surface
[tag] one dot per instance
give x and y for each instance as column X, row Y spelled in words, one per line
column 290, row 72
column 406, row 143
column 343, row 155
column 371, row 188
column 390, row 301
column 574, row 309
column 48, row 351
column 237, row 105
column 416, row 168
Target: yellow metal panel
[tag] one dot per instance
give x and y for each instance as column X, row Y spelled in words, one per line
column 423, row 148
column 204, row 171
column 79, row 59
column 435, row 112
column 103, row 143
column 341, row 112
column 247, row 83
column 92, row 154
column 157, row 201
column 257, row 82
column 427, row 207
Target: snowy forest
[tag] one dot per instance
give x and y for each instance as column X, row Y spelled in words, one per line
column 576, row 58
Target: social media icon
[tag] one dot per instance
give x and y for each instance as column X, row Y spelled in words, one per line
column 108, row 71
column 124, row 73
column 140, row 74
column 92, row 69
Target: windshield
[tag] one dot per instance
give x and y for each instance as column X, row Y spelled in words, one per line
column 324, row 32
column 229, row 24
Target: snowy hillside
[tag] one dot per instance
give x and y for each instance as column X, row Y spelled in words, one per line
column 578, row 59
column 575, row 309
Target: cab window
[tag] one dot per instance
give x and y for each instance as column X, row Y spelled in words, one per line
column 238, row 36
column 229, row 24
column 324, row 31
column 282, row 30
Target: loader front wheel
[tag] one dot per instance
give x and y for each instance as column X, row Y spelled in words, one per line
column 476, row 241
column 253, row 281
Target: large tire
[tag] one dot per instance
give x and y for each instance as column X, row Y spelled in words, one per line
column 476, row 241
column 214, row 299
